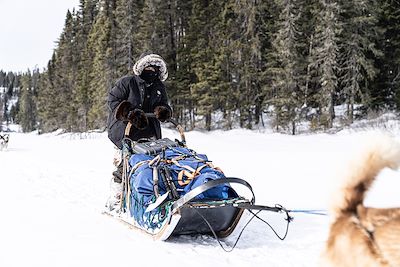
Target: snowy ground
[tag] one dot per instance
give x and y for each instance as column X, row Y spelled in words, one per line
column 53, row 188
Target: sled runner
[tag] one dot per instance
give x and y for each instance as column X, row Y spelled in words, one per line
column 169, row 189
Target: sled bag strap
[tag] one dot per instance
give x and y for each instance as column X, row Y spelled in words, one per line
column 190, row 175
column 136, row 166
column 155, row 181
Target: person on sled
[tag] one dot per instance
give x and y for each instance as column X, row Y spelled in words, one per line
column 130, row 98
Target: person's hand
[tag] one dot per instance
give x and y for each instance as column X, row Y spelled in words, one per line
column 125, row 112
column 122, row 110
column 162, row 113
column 138, row 118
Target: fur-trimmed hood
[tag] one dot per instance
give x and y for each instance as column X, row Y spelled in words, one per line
column 151, row 60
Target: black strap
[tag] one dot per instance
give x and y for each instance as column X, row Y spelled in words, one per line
column 208, row 185
column 167, row 176
column 249, row 206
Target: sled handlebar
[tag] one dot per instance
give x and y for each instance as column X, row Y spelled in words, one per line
column 174, row 122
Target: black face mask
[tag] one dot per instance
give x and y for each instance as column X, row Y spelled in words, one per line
column 149, row 76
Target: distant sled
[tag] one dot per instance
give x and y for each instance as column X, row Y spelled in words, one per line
column 170, row 190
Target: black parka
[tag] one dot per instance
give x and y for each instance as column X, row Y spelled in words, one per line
column 135, row 90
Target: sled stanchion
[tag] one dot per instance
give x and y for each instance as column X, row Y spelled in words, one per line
column 180, row 130
column 128, row 128
column 125, row 196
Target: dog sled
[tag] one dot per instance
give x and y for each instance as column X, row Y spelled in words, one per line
column 169, row 189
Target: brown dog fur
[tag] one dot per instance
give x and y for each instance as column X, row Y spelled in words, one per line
column 362, row 236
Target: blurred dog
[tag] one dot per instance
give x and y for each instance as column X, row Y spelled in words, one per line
column 362, row 236
column 4, row 141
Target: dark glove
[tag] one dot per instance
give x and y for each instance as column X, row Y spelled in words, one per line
column 162, row 113
column 125, row 112
column 122, row 111
column 138, row 119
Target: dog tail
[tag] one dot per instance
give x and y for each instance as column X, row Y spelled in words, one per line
column 380, row 151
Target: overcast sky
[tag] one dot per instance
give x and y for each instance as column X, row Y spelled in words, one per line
column 29, row 30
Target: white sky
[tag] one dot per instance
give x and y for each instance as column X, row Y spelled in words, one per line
column 29, row 30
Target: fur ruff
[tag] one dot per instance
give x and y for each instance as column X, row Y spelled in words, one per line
column 122, row 111
column 151, row 60
column 125, row 112
column 362, row 236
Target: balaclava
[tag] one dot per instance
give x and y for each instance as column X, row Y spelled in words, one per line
column 149, row 76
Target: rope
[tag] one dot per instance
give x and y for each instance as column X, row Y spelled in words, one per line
column 288, row 219
column 255, row 215
column 312, row 212
column 215, row 234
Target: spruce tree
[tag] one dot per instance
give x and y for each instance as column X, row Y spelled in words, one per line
column 48, row 101
column 57, row 108
column 385, row 91
column 287, row 94
column 225, row 42
column 2, row 78
column 127, row 16
column 156, row 26
column 101, row 73
column 13, row 90
column 247, row 60
column 251, row 31
column 158, row 34
column 2, row 110
column 203, row 28
column 66, row 72
column 27, row 111
column 12, row 82
column 324, row 59
column 86, row 16
column 358, row 52
column 180, row 96
column 266, row 27
column 3, row 100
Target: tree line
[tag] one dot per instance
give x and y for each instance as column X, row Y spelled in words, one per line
column 9, row 87
column 231, row 63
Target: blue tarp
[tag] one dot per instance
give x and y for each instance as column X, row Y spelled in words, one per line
column 142, row 178
column 141, row 181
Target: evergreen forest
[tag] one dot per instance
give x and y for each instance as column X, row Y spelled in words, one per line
column 231, row 63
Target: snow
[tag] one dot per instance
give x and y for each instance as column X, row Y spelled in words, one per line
column 11, row 127
column 53, row 188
